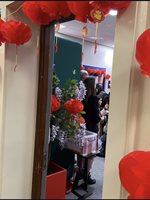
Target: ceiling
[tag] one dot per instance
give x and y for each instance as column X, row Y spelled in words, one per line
column 106, row 30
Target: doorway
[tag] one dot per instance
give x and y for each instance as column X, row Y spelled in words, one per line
column 101, row 60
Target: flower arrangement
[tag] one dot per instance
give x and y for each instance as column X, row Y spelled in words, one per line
column 67, row 109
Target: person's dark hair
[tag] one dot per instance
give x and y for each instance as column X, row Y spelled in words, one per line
column 98, row 88
column 90, row 87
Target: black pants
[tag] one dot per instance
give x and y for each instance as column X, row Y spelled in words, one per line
column 103, row 146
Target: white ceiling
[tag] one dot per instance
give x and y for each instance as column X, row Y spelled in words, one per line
column 106, row 30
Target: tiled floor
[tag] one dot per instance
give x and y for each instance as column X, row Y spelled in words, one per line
column 97, row 173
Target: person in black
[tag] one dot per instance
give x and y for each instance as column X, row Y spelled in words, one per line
column 92, row 115
column 91, row 106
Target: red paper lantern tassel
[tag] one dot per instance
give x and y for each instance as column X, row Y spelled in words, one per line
column 84, row 33
column 16, row 62
column 56, row 38
column 37, row 45
column 95, row 40
column 97, row 15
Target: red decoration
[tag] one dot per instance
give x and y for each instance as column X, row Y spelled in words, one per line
column 55, row 9
column 55, row 104
column 97, row 14
column 89, row 70
column 74, row 106
column 94, row 71
column 99, row 73
column 16, row 32
column 118, row 5
column 84, row 33
column 102, row 6
column 82, row 120
column 107, row 76
column 134, row 172
column 82, row 68
column 1, row 36
column 80, row 9
column 103, row 71
column 142, row 52
column 78, row 119
column 33, row 11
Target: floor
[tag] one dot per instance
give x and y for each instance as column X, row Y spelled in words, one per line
column 97, row 173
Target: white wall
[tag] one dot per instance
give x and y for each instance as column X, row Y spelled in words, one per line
column 103, row 57
column 129, row 126
column 19, row 97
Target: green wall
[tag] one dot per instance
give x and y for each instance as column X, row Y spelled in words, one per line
column 67, row 60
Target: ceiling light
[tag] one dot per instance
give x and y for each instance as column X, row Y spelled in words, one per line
column 113, row 12
column 101, row 38
column 61, row 26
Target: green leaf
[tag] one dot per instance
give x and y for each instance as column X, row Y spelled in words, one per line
column 83, row 112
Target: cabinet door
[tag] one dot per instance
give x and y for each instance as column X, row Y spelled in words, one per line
column 67, row 61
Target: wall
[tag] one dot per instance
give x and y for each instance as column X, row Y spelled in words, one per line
column 129, row 126
column 103, row 57
column 18, row 93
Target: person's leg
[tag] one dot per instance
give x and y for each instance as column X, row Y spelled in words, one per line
column 90, row 163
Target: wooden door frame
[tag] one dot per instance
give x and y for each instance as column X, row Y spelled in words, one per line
column 46, row 60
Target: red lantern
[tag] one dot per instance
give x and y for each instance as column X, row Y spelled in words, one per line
column 95, row 71
column 74, row 106
column 101, row 5
column 81, row 9
column 33, row 11
column 55, row 9
column 99, row 73
column 107, row 76
column 142, row 52
column 16, row 32
column 134, row 172
column 103, row 71
column 89, row 70
column 55, row 104
column 1, row 36
column 118, row 5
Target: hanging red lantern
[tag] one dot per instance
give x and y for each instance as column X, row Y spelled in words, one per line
column 134, row 173
column 92, row 71
column 119, row 5
column 16, row 32
column 89, row 70
column 55, row 9
column 142, row 52
column 95, row 71
column 107, row 76
column 103, row 6
column 33, row 11
column 97, row 14
column 99, row 73
column 80, row 9
column 103, row 71
column 1, row 36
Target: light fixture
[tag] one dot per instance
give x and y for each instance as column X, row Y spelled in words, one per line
column 92, row 37
column 113, row 12
column 61, row 26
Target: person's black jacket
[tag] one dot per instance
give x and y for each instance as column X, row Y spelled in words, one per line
column 92, row 118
